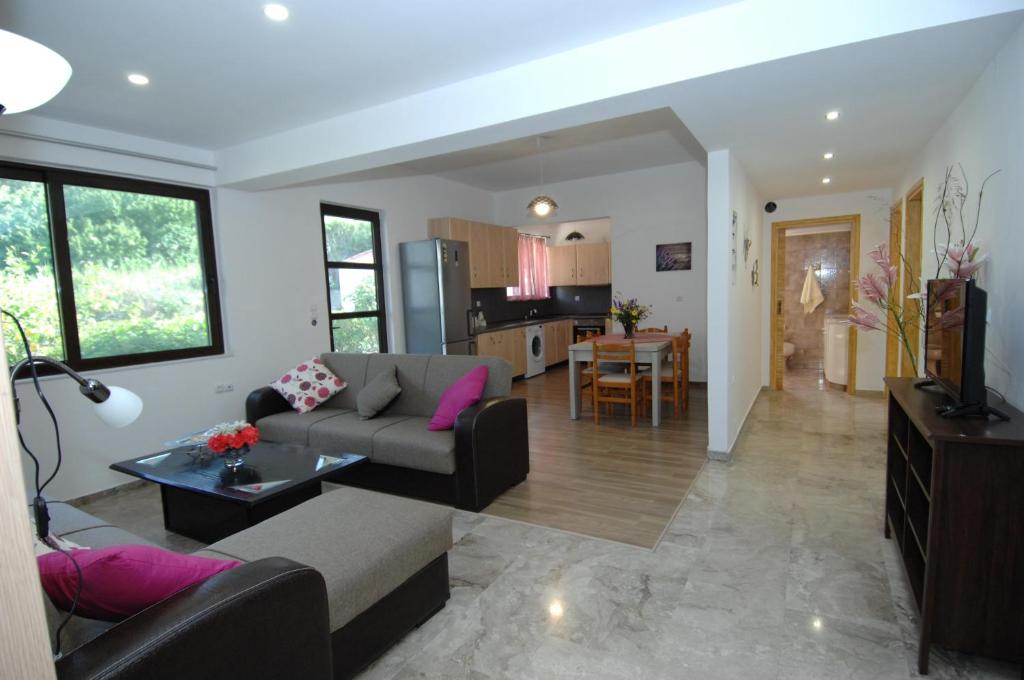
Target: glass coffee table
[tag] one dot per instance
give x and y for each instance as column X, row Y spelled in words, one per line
column 204, row 500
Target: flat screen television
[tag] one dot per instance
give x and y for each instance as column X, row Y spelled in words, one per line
column 954, row 344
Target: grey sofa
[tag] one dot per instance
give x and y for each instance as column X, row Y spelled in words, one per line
column 486, row 453
column 325, row 588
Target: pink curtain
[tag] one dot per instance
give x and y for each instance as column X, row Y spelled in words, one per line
column 533, row 270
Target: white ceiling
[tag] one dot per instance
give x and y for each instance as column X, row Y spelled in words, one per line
column 221, row 73
column 894, row 94
column 622, row 144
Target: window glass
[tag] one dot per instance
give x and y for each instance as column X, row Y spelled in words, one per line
column 28, row 287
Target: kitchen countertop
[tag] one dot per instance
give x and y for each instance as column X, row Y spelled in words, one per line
column 518, row 323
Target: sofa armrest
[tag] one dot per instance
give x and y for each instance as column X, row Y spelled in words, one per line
column 265, row 401
column 492, row 450
column 263, row 619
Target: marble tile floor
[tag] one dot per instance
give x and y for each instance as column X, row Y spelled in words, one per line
column 775, row 567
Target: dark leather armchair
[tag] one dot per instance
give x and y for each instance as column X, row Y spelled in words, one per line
column 264, row 619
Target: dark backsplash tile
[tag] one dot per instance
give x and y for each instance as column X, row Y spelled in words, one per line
column 496, row 308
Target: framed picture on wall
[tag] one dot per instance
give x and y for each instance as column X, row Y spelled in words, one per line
column 671, row 257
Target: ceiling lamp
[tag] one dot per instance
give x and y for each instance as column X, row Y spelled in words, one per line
column 40, row 73
column 542, row 206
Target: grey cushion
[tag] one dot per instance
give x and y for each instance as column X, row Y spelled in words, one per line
column 352, row 369
column 411, row 370
column 294, row 427
column 409, row 444
column 378, row 393
column 349, row 433
column 365, row 544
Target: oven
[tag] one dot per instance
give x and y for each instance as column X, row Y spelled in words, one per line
column 581, row 327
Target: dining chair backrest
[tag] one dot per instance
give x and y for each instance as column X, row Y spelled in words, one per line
column 617, row 353
column 681, row 354
column 653, row 329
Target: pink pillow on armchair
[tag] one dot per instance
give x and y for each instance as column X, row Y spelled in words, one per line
column 464, row 392
column 122, row 580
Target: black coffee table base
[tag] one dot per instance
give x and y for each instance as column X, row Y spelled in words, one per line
column 208, row 519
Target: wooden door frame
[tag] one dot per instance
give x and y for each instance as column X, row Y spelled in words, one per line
column 779, row 231
column 916, row 192
column 893, row 351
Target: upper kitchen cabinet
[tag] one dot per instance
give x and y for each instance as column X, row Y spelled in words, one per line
column 493, row 250
column 510, row 252
column 581, row 264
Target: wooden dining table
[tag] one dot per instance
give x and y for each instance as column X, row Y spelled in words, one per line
column 651, row 348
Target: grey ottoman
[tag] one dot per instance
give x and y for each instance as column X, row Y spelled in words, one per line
column 384, row 559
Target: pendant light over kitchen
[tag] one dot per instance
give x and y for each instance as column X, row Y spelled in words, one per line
column 542, row 206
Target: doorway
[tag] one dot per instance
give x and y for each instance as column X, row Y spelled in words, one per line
column 814, row 270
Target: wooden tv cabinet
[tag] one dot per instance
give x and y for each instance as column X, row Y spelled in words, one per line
column 954, row 504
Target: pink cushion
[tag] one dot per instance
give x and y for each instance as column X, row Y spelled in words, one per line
column 122, row 580
column 308, row 385
column 464, row 392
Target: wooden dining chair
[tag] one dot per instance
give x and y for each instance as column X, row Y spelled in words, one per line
column 653, row 329
column 615, row 387
column 675, row 373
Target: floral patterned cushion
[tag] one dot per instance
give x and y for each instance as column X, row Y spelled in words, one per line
column 308, row 385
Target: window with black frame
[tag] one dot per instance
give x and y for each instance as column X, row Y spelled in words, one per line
column 355, row 279
column 107, row 271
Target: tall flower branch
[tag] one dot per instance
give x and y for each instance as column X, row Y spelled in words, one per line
column 960, row 255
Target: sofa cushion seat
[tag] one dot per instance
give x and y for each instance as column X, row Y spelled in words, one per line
column 348, row 433
column 409, row 444
column 365, row 544
column 293, row 428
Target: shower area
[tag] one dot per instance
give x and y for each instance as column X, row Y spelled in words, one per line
column 812, row 298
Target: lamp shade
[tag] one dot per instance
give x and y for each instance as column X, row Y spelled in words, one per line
column 32, row 74
column 121, row 408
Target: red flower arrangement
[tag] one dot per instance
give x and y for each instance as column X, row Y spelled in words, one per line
column 229, row 437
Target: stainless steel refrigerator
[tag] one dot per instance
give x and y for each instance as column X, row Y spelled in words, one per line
column 436, row 297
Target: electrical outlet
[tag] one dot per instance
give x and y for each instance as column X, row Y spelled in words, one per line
column 224, row 387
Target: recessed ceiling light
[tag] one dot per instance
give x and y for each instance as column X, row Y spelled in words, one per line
column 276, row 12
column 138, row 79
column 829, row 155
column 826, row 180
column 832, row 115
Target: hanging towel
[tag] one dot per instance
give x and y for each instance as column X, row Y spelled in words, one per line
column 811, row 295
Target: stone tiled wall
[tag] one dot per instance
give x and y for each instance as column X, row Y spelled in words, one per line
column 832, row 253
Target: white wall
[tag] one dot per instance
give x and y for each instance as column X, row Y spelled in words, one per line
column 271, row 270
column 734, row 309
column 873, row 208
column 986, row 133
column 593, row 231
column 646, row 207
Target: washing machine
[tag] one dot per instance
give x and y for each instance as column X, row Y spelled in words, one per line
column 534, row 350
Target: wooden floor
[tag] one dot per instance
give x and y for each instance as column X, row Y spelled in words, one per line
column 611, row 481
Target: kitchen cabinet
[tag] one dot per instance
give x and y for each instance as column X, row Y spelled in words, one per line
column 562, row 265
column 510, row 253
column 593, row 266
column 509, row 345
column 581, row 264
column 563, row 339
column 557, row 338
column 493, row 250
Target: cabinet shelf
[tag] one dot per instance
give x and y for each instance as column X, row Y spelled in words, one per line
column 954, row 507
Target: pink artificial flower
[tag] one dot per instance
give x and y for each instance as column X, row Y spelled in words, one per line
column 890, row 275
column 872, row 288
column 862, row 318
column 880, row 255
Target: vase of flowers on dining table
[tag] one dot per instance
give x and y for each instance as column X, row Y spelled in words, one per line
column 629, row 313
